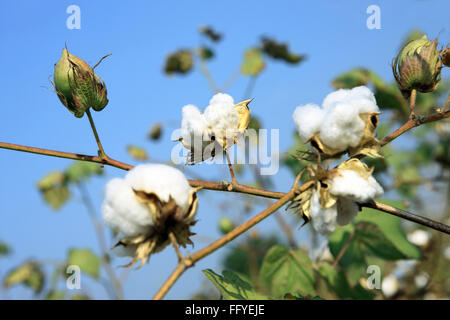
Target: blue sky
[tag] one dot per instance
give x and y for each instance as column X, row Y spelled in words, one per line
column 139, row 34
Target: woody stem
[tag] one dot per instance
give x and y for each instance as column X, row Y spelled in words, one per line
column 412, row 104
column 230, row 166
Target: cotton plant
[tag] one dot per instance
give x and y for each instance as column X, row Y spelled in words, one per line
column 218, row 127
column 149, row 205
column 345, row 122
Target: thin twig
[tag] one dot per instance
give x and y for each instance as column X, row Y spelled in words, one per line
column 99, row 231
column 230, row 167
column 174, row 242
column 446, row 104
column 343, row 250
column 412, row 104
column 101, row 153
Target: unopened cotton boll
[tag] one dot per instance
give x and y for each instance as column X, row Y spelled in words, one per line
column 323, row 220
column 308, row 119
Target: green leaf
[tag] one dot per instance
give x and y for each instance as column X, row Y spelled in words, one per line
column 82, row 170
column 280, row 51
column 88, row 261
column 180, row 62
column 232, row 287
column 4, row 249
column 137, row 153
column 55, row 295
column 29, row 274
column 287, row 271
column 253, row 62
column 389, row 225
column 53, row 188
column 206, row 53
column 80, row 297
column 350, row 79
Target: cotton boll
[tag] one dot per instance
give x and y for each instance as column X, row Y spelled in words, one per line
column 162, row 180
column 221, row 98
column 221, row 116
column 342, row 127
column 351, row 185
column 193, row 125
column 347, row 211
column 323, row 220
column 308, row 119
column 122, row 211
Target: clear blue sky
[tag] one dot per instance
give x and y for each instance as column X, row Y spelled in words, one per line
column 139, row 34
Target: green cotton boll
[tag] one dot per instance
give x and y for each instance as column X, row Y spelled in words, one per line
column 418, row 66
column 77, row 86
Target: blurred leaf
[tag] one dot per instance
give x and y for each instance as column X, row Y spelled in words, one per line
column 55, row 295
column 350, row 79
column 80, row 297
column 28, row 274
column 280, row 51
column 180, row 62
column 337, row 283
column 390, row 227
column 53, row 188
column 253, row 62
column 4, row 249
column 232, row 287
column 287, row 271
column 82, row 170
column 290, row 296
column 88, row 261
column 155, row 132
column 137, row 153
column 295, row 165
column 238, row 257
column 210, row 33
column 206, row 53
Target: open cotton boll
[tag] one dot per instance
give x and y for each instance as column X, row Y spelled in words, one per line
column 220, row 115
column 323, row 220
column 122, row 211
column 349, row 184
column 347, row 211
column 342, row 127
column 308, row 119
column 163, row 180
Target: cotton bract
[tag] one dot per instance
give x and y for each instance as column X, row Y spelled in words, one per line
column 219, row 126
column 346, row 122
column 333, row 196
column 152, row 201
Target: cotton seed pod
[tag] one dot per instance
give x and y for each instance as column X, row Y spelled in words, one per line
column 445, row 56
column 169, row 218
column 418, row 66
column 77, row 86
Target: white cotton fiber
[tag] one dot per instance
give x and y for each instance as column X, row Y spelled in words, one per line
column 351, row 185
column 162, row 180
column 308, row 119
column 122, row 211
column 338, row 121
column 347, row 211
column 221, row 116
column 193, row 125
column 323, row 220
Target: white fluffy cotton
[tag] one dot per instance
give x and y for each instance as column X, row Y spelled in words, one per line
column 323, row 220
column 122, row 211
column 338, row 121
column 349, row 184
column 308, row 119
column 419, row 237
column 218, row 117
